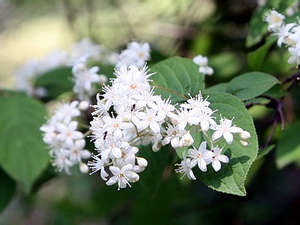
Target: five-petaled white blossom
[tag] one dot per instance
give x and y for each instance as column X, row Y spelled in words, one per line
column 225, row 129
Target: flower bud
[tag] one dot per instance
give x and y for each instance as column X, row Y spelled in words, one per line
column 156, row 146
column 245, row 135
column 85, row 154
column 186, row 140
column 141, row 162
column 244, row 143
column 83, row 168
column 84, row 105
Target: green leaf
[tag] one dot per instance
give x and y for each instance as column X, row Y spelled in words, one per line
column 231, row 178
column 250, row 85
column 7, row 189
column 276, row 91
column 221, row 87
column 56, row 81
column 23, row 154
column 256, row 58
column 177, row 77
column 288, row 149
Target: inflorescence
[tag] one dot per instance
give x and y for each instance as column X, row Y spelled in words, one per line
column 128, row 114
column 288, row 34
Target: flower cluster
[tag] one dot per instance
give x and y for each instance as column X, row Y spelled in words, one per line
column 85, row 79
column 66, row 142
column 135, row 54
column 202, row 61
column 288, row 34
column 204, row 156
column 28, row 73
column 128, row 114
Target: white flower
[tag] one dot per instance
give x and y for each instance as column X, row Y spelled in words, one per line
column 85, row 79
column 197, row 104
column 226, row 130
column 218, row 158
column 50, row 133
column 101, row 108
column 201, row 156
column 295, row 55
column 61, row 161
column 283, row 33
column 186, row 140
column 31, row 70
column 173, row 136
column 150, row 119
column 136, row 54
column 96, row 165
column 274, row 20
column 181, row 118
column 67, row 111
column 68, row 132
column 77, row 151
column 85, row 48
column 185, row 167
column 122, row 176
column 115, row 126
column 163, row 107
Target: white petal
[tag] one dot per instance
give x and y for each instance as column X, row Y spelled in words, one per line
column 77, row 135
column 132, row 176
column 103, row 174
column 73, row 125
column 235, row 130
column 223, row 158
column 112, row 180
column 115, row 170
column 193, row 120
column 126, row 168
column 175, row 142
column 228, row 137
column 122, row 183
column 204, row 125
column 208, row 156
column 202, row 165
column 202, row 146
column 116, row 152
column 217, row 134
column 216, row 165
column 191, row 175
column 155, row 127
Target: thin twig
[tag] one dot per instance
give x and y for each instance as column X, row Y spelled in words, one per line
column 170, row 91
